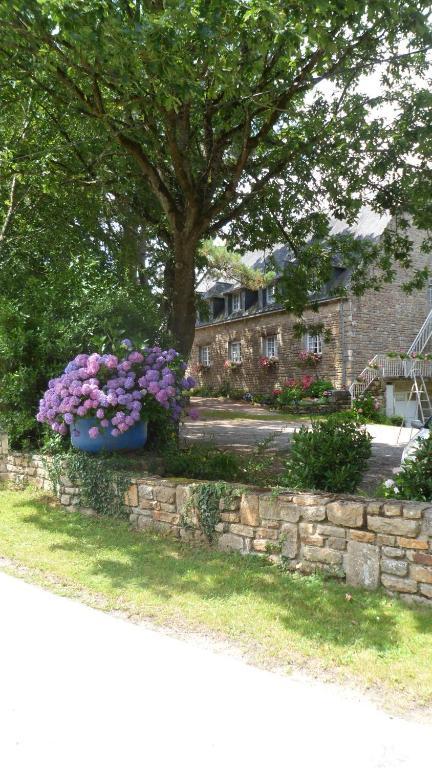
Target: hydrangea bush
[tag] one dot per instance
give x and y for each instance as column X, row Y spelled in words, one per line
column 117, row 392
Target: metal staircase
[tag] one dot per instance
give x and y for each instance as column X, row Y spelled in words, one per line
column 382, row 366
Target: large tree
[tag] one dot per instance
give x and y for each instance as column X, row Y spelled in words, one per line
column 211, row 116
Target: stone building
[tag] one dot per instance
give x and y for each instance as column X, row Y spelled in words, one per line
column 245, row 325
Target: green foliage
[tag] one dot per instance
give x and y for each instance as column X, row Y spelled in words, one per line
column 203, row 462
column 103, row 479
column 414, row 481
column 318, row 387
column 205, row 500
column 367, row 408
column 184, row 117
column 301, row 328
column 331, row 456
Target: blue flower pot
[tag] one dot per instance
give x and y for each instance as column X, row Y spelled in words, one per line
column 134, row 438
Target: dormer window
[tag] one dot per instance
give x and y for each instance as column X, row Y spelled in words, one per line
column 270, row 294
column 236, row 305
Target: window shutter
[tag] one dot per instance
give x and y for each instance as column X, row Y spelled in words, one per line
column 229, row 304
column 264, row 296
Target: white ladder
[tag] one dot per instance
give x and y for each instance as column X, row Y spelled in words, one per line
column 419, row 391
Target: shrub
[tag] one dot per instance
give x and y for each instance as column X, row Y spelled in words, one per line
column 331, row 456
column 203, row 462
column 414, row 481
column 293, row 390
column 367, row 408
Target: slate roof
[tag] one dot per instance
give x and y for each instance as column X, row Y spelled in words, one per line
column 368, row 225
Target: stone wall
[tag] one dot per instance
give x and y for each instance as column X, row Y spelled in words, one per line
column 369, row 543
column 251, row 332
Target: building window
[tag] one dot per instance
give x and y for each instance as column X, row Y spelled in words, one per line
column 236, row 302
column 235, row 351
column 430, row 292
column 204, row 355
column 271, row 346
column 314, row 343
column 270, row 294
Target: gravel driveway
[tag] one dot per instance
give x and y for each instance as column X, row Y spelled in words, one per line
column 244, row 434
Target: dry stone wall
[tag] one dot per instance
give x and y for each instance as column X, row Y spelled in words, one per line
column 369, row 543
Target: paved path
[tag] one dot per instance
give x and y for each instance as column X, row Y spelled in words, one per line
column 82, row 688
column 243, row 434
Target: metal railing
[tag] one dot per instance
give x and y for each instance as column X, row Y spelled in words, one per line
column 423, row 337
column 384, row 367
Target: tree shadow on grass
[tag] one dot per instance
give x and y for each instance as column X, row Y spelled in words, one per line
column 133, row 563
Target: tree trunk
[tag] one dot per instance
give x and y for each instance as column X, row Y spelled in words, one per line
column 180, row 293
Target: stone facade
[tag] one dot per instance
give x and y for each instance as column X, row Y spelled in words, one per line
column 377, row 322
column 368, row 543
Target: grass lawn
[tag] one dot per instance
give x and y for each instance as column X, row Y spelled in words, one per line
column 279, row 618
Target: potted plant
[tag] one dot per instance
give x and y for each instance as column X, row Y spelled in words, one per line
column 105, row 401
column 232, row 365
column 268, row 363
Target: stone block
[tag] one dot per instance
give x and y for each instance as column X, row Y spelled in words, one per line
column 289, row 540
column 131, row 496
column 393, row 552
column 261, row 545
column 313, row 514
column 310, row 500
column 306, row 529
column 374, row 508
column 314, row 540
column 411, row 543
column 270, row 524
column 335, row 542
column 394, row 567
column 347, row 513
column 412, row 510
column 228, row 542
column 165, row 495
column 421, row 573
column 385, row 541
column 422, row 558
column 396, row 525
column 65, row 500
column 392, row 509
column 173, row 518
column 330, row 530
column 426, row 590
column 167, row 507
column 289, row 513
column 144, row 522
column 322, row 555
column 395, row 584
column 242, row 530
column 221, row 527
column 362, row 565
column 230, row 517
column 365, row 536
column 249, row 509
column 267, row 533
column 268, row 507
column 426, row 526
column 145, row 492
column 183, row 497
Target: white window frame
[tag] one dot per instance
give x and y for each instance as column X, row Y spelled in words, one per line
column 314, row 343
column 270, row 294
column 235, row 351
column 271, row 346
column 236, row 298
column 204, row 355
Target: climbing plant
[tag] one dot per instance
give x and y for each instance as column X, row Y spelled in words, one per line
column 103, row 480
column 205, row 499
